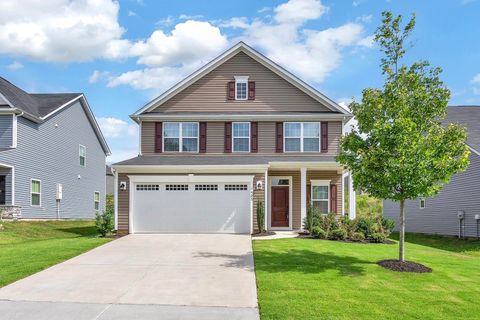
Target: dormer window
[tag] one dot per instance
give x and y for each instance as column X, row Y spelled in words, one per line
column 241, row 88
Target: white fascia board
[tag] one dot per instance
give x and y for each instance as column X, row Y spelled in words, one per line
column 473, row 150
column 241, row 46
column 61, row 107
column 314, row 165
column 221, row 117
column 191, row 169
column 190, row 178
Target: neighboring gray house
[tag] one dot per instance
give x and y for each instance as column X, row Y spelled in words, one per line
column 52, row 155
column 439, row 215
column 110, row 180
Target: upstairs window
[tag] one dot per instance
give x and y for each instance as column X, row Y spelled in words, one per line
column 422, row 203
column 82, row 153
column 180, row 137
column 241, row 136
column 302, row 137
column 241, row 88
column 35, row 192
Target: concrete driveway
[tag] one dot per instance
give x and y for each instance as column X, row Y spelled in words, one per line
column 161, row 276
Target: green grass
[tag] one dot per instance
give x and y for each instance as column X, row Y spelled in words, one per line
column 320, row 279
column 27, row 247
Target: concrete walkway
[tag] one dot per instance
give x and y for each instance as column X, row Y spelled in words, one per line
column 167, row 276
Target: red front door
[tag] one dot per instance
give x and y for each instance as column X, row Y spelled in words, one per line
column 280, row 206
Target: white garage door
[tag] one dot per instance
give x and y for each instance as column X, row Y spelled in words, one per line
column 202, row 206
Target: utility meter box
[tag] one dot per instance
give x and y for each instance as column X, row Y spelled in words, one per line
column 461, row 215
column 477, row 217
column 59, row 191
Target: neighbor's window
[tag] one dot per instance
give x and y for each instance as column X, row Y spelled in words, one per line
column 241, row 88
column 320, row 196
column 36, row 192
column 241, row 136
column 82, row 153
column 96, row 200
column 180, row 136
column 422, row 203
column 302, row 136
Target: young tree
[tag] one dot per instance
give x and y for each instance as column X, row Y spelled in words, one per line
column 399, row 149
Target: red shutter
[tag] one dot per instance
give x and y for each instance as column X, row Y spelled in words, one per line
column 158, row 137
column 279, row 137
column 324, row 142
column 231, row 90
column 333, row 198
column 228, row 137
column 254, row 137
column 203, row 137
column 309, row 194
column 251, row 90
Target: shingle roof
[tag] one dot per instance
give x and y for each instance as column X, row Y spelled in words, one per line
column 38, row 105
column 229, row 159
column 468, row 116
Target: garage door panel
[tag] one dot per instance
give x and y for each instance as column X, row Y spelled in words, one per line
column 170, row 208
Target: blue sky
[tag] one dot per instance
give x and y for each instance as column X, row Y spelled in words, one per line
column 123, row 54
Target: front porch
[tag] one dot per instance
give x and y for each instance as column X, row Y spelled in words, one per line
column 290, row 189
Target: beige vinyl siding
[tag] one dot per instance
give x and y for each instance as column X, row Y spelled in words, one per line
column 123, row 205
column 266, row 137
column 148, row 137
column 272, row 93
column 215, row 137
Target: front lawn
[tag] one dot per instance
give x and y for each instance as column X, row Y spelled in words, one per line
column 321, row 279
column 27, row 247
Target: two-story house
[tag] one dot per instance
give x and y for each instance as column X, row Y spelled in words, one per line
column 237, row 131
column 52, row 155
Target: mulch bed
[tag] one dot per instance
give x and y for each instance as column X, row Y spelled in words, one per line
column 263, row 234
column 406, row 266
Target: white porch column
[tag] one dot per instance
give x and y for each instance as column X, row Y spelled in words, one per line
column 265, row 205
column 352, row 203
column 303, row 196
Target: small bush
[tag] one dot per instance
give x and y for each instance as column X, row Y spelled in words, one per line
column 312, row 219
column 357, row 236
column 317, row 232
column 378, row 237
column 260, row 216
column 328, row 222
column 387, row 225
column 338, row 234
column 104, row 222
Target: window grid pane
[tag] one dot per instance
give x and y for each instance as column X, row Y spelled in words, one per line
column 322, row 205
column 292, row 130
column 171, row 144
column 241, row 90
column 171, row 130
column 292, row 144
column 189, row 130
column 240, row 144
column 189, row 144
column 320, row 193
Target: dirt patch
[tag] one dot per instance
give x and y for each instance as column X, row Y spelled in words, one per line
column 263, row 234
column 406, row 266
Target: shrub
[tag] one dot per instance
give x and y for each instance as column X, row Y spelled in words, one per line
column 357, row 236
column 260, row 216
column 387, row 225
column 338, row 234
column 378, row 237
column 312, row 219
column 328, row 222
column 350, row 226
column 317, row 232
column 104, row 222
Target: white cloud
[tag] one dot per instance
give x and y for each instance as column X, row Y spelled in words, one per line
column 367, row 42
column 15, row 65
column 97, row 76
column 131, row 13
column 189, row 17
column 298, row 11
column 117, row 128
column 476, row 84
column 168, row 21
column 264, row 9
column 235, row 22
column 59, row 30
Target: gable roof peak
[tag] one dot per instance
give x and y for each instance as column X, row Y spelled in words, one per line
column 257, row 56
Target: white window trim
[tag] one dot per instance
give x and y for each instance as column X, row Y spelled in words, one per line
column 420, row 203
column 302, row 136
column 241, row 79
column 317, row 183
column 40, row 193
column 80, row 155
column 180, row 137
column 95, row 201
column 249, row 137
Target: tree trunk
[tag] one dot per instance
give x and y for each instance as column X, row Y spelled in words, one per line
column 401, row 253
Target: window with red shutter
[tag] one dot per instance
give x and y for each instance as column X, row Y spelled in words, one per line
column 254, row 137
column 251, row 90
column 158, row 137
column 324, row 143
column 333, row 198
column 231, row 90
column 279, row 137
column 228, row 137
column 203, row 137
